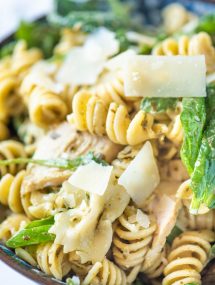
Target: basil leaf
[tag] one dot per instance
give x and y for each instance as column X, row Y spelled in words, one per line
column 176, row 231
column 203, row 177
column 31, row 236
column 158, row 105
column 42, row 222
column 193, row 120
column 210, row 101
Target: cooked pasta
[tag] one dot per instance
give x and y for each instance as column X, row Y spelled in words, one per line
column 188, row 256
column 105, row 273
column 12, row 225
column 10, row 187
column 131, row 241
column 52, row 260
column 4, row 131
column 92, row 114
column 8, row 150
column 196, row 45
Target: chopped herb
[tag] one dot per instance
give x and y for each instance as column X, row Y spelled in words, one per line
column 176, row 231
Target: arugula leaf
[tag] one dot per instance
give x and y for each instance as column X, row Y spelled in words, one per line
column 58, row 162
column 158, row 105
column 35, row 233
column 39, row 34
column 203, row 177
column 193, row 120
column 176, row 231
column 207, row 24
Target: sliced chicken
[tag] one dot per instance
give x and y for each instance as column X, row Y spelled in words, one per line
column 65, row 142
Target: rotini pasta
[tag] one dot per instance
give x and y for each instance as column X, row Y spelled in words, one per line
column 105, row 273
column 52, row 260
column 8, row 150
column 12, row 225
column 188, row 256
column 88, row 112
column 10, row 187
column 196, row 45
column 131, row 241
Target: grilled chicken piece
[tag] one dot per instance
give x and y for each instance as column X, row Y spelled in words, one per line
column 65, row 142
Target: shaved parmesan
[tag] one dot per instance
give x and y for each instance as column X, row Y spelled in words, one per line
column 140, row 38
column 118, row 61
column 141, row 176
column 92, row 177
column 83, row 65
column 142, row 219
column 165, row 76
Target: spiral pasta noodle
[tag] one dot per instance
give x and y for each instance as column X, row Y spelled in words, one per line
column 188, row 256
column 44, row 99
column 8, row 150
column 175, row 131
column 199, row 44
column 12, row 225
column 10, row 187
column 4, row 131
column 105, row 273
column 131, row 240
column 92, row 114
column 52, row 260
column 197, row 222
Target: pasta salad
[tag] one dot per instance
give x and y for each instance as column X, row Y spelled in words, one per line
column 107, row 145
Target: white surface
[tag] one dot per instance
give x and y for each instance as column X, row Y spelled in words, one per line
column 12, row 11
column 11, row 277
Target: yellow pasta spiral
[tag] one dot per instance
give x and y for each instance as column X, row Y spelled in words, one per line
column 199, row 44
column 131, row 240
column 175, row 131
column 4, row 131
column 10, row 187
column 197, row 222
column 23, row 58
column 105, row 273
column 8, row 150
column 188, row 256
column 92, row 114
column 46, row 108
column 10, row 101
column 110, row 88
column 12, row 225
column 52, row 260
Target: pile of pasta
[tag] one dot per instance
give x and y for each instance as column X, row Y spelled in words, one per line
column 99, row 240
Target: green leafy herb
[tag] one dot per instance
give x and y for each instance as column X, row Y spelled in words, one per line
column 210, row 101
column 35, row 233
column 203, row 177
column 207, row 24
column 145, row 49
column 7, row 49
column 193, row 120
column 123, row 41
column 59, row 162
column 158, row 105
column 176, row 231
column 39, row 34
column 213, row 250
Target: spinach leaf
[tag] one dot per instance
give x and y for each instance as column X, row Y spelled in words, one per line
column 35, row 233
column 39, row 34
column 158, row 105
column 193, row 120
column 203, row 177
column 207, row 24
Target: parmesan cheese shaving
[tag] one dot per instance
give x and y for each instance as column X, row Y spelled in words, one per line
column 141, row 176
column 165, row 76
column 142, row 219
column 92, row 177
